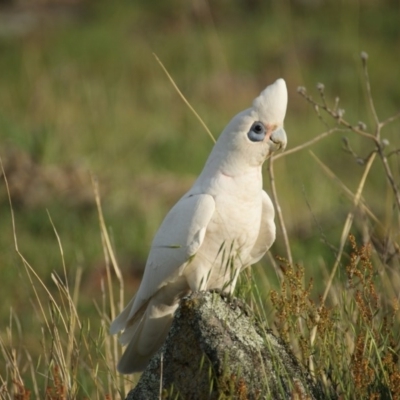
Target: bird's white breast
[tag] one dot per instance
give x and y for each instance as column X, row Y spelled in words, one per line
column 232, row 231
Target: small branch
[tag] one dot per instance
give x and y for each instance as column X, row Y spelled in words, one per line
column 360, row 160
column 321, row 89
column 310, row 142
column 336, row 115
column 379, row 125
column 357, row 130
column 390, row 119
column 278, row 209
column 390, row 154
column 364, row 58
column 389, row 176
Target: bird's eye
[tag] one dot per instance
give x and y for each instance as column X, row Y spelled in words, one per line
column 257, row 132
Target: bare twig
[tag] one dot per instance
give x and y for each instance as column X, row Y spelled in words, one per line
column 364, row 58
column 391, row 153
column 321, row 89
column 360, row 129
column 389, row 175
column 309, row 143
column 336, row 114
column 379, row 125
column 390, row 119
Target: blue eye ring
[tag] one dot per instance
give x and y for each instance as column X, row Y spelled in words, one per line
column 257, row 132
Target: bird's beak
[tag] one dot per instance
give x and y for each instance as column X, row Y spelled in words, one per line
column 278, row 139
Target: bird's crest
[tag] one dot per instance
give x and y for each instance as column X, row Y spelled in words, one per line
column 272, row 102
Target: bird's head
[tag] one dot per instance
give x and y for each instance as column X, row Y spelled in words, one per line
column 254, row 134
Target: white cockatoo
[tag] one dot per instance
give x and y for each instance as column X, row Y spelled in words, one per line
column 223, row 224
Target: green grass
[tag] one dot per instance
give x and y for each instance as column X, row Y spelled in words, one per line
column 87, row 96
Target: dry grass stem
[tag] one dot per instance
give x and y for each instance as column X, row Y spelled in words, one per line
column 345, row 189
column 278, row 209
column 110, row 252
column 184, row 99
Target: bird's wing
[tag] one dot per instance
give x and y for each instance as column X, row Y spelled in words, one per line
column 178, row 239
column 266, row 234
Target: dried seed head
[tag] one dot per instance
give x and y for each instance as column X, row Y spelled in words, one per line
column 364, row 56
column 385, row 142
column 301, row 89
column 320, row 87
column 362, row 126
column 340, row 112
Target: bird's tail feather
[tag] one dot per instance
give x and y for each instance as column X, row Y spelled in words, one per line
column 121, row 320
column 144, row 337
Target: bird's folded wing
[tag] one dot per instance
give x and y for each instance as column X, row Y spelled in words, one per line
column 176, row 242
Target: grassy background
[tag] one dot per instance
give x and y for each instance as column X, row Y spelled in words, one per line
column 81, row 93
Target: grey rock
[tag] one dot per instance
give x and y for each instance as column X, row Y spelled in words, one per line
column 216, row 349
